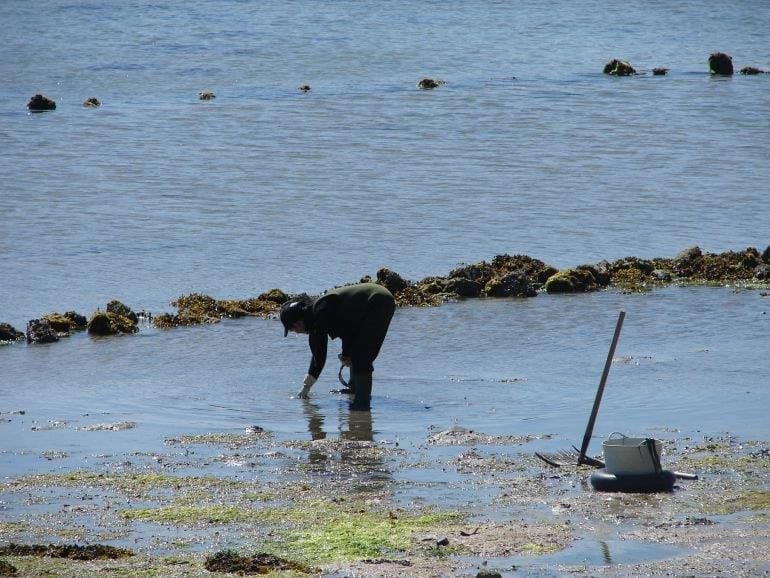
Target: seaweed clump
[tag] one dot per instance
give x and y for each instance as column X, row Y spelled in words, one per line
column 69, row 551
column 7, row 569
column 198, row 308
column 231, row 562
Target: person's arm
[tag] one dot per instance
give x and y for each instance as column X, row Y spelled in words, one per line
column 318, row 346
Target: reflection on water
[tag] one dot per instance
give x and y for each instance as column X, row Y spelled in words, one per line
column 354, row 452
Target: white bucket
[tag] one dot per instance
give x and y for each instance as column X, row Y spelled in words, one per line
column 628, row 456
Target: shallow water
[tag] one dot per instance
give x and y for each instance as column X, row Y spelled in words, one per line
column 688, row 361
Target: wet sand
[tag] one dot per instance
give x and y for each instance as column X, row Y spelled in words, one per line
column 461, row 503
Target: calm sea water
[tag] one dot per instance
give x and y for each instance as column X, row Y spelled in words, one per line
column 528, row 148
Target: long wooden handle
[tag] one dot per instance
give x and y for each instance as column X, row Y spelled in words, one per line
column 600, row 391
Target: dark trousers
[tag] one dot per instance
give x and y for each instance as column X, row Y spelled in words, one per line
column 372, row 332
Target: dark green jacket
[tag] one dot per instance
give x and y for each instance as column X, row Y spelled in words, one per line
column 359, row 315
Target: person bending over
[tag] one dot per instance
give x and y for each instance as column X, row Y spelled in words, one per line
column 360, row 316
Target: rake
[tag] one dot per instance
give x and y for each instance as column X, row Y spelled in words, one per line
column 574, row 455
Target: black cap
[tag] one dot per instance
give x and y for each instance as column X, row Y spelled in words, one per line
column 292, row 311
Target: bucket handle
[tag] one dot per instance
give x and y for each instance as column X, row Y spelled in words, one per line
column 650, row 443
column 622, row 435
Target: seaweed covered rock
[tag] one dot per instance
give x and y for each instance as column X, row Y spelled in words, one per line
column 41, row 331
column 480, row 272
column 766, row 255
column 197, row 308
column 274, row 295
column 635, row 274
column 513, row 284
column 536, row 269
column 391, row 280
column 165, row 321
column 659, row 71
column 688, row 262
column 463, row 287
column 119, row 308
column 9, row 333
column 91, row 102
column 721, row 64
column 579, row 279
column 117, row 319
column 40, row 103
column 762, row 272
column 229, row 561
column 417, row 296
column 694, row 265
column 66, row 322
column 617, row 67
column 751, row 70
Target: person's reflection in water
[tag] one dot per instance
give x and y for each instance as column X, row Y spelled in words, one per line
column 360, row 457
column 361, row 453
column 315, row 424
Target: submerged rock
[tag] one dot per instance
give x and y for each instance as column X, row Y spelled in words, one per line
column 430, row 83
column 659, row 71
column 721, row 64
column 304, row 88
column 39, row 103
column 9, row 333
column 617, row 67
column 751, row 70
column 92, row 102
column 206, row 95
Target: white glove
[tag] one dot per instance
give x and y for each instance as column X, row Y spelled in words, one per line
column 307, row 383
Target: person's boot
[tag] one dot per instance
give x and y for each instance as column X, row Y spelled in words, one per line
column 363, row 391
